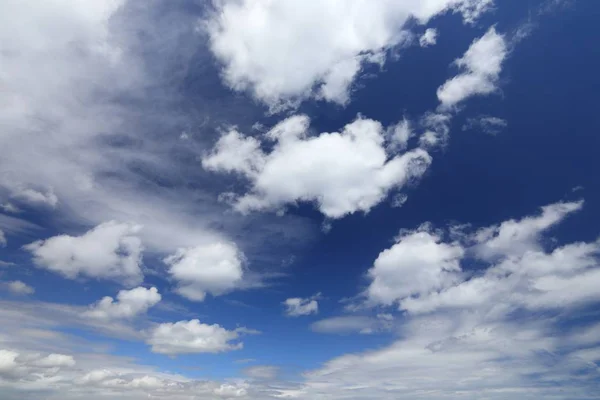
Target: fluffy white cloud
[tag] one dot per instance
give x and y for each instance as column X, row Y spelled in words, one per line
column 109, row 251
column 429, row 38
column 18, row 287
column 297, row 306
column 185, row 337
column 342, row 172
column 129, row 304
column 482, row 64
column 285, row 51
column 16, row 365
column 261, row 371
column 354, row 324
column 416, row 265
column 215, row 268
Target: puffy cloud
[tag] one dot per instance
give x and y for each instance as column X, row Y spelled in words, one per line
column 18, row 287
column 342, row 172
column 429, row 38
column 17, row 365
column 416, row 265
column 297, row 306
column 286, row 51
column 215, row 268
column 129, row 304
column 185, row 337
column 109, row 251
column 486, row 124
column 261, row 371
column 482, row 64
column 354, row 324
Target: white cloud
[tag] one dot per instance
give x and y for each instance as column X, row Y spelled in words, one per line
column 36, row 197
column 342, row 172
column 516, row 237
column 186, row 337
column 18, row 287
column 297, row 306
column 482, row 64
column 16, row 365
column 354, row 324
column 261, row 371
column 216, row 268
column 3, row 241
column 429, row 38
column 285, row 51
column 109, row 251
column 129, row 304
column 486, row 124
column 416, row 265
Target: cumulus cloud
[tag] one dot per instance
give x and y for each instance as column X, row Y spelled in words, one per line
column 109, row 251
column 481, row 65
column 342, row 172
column 36, row 197
column 216, row 268
column 16, row 365
column 429, row 38
column 416, row 265
column 18, row 287
column 286, row 51
column 186, row 337
column 129, row 303
column 297, row 306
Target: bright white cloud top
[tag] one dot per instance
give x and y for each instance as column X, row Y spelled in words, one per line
column 286, row 51
column 342, row 172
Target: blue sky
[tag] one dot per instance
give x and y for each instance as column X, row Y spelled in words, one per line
column 358, row 200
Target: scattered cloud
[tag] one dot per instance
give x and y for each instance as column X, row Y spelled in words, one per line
column 129, row 303
column 284, row 52
column 485, row 124
column 3, row 241
column 215, row 268
column 354, row 324
column 342, row 172
column 18, row 287
column 429, row 38
column 481, row 65
column 109, row 251
column 297, row 306
column 186, row 337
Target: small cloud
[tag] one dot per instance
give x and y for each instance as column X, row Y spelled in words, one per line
column 297, row 306
column 486, row 124
column 429, row 38
column 18, row 287
column 262, row 372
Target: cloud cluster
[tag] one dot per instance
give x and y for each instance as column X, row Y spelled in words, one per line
column 342, row 172
column 285, row 51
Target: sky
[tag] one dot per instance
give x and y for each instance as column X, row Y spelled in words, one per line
column 312, row 200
